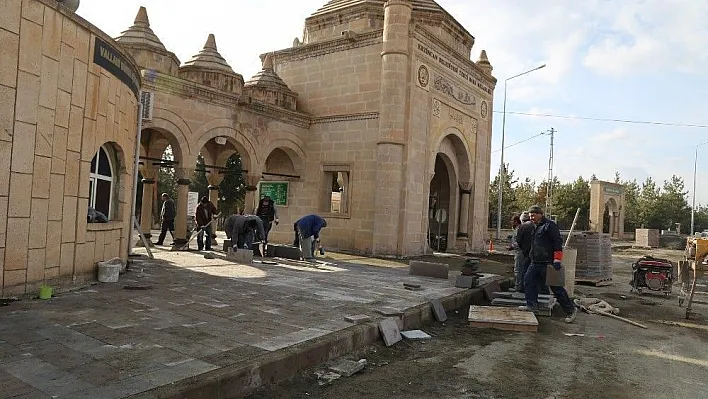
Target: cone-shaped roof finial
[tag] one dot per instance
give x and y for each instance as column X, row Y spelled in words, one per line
column 210, row 43
column 209, row 58
column 142, row 18
column 483, row 56
column 268, row 62
column 140, row 33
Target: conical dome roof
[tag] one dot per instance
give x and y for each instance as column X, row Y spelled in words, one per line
column 140, row 32
column 209, row 58
column 267, row 77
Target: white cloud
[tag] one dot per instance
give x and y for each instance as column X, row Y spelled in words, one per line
column 651, row 36
column 611, row 136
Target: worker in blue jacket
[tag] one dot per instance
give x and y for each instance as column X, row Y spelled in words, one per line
column 308, row 229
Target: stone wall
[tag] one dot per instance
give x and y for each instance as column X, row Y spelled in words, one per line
column 58, row 107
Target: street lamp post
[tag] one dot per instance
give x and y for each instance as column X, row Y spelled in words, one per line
column 501, row 164
column 693, row 206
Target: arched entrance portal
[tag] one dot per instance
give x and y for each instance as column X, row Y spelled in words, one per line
column 607, row 208
column 443, row 191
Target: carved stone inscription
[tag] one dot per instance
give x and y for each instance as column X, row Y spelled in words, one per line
column 445, row 86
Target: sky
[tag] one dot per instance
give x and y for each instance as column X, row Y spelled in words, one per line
column 634, row 60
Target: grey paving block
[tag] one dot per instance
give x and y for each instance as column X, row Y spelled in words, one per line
column 287, row 252
column 466, row 281
column 55, row 353
column 283, row 341
column 346, row 367
column 45, row 377
column 98, row 373
column 389, row 311
column 415, row 334
column 438, row 310
column 429, row 269
column 234, row 356
column 358, row 318
column 390, row 332
column 490, row 289
column 168, row 375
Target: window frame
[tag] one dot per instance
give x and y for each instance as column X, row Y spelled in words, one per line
column 326, row 197
column 95, row 176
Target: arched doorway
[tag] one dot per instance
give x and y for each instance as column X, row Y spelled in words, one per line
column 610, row 218
column 441, row 204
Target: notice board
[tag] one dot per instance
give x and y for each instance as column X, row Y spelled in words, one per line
column 276, row 190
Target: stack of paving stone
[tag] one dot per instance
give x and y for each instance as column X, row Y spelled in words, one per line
column 516, row 299
column 594, row 261
column 469, row 278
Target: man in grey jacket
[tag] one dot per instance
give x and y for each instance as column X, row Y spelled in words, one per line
column 168, row 218
column 243, row 230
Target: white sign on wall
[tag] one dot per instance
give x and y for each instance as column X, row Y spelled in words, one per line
column 192, row 202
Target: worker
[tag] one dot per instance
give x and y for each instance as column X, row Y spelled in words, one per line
column 308, row 231
column 524, row 239
column 519, row 259
column 268, row 213
column 546, row 248
column 243, row 230
column 168, row 218
column 204, row 215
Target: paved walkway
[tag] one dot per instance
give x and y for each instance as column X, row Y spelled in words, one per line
column 197, row 315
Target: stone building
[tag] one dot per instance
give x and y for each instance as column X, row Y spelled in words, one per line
column 376, row 119
column 68, row 122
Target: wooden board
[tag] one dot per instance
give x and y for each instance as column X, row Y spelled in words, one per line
column 601, row 282
column 502, row 319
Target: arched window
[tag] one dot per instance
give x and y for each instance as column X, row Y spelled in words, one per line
column 101, row 183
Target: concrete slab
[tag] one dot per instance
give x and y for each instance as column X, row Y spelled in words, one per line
column 356, row 319
column 502, row 319
column 415, row 334
column 466, row 281
column 438, row 310
column 210, row 326
column 429, row 269
column 390, row 332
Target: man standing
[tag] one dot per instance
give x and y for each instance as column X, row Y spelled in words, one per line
column 204, row 215
column 546, row 248
column 268, row 214
column 308, row 228
column 518, row 254
column 168, row 218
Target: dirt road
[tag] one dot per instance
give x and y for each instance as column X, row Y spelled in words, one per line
column 612, row 360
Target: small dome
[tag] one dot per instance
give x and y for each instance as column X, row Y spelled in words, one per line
column 266, row 86
column 209, row 58
column 140, row 32
column 267, row 77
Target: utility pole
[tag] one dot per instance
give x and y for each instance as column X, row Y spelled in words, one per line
column 549, row 186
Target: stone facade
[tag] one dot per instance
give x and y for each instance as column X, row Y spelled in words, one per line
column 59, row 106
column 607, row 197
column 377, row 119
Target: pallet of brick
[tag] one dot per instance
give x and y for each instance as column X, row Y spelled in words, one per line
column 594, row 259
column 646, row 238
column 507, row 319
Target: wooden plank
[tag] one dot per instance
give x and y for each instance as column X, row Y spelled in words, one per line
column 502, row 318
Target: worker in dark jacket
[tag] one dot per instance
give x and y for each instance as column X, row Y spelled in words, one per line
column 524, row 239
column 168, row 218
column 309, row 228
column 268, row 214
column 243, row 230
column 546, row 249
column 204, row 215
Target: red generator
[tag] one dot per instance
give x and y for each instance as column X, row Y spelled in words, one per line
column 653, row 274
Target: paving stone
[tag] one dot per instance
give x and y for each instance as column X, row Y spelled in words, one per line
column 466, row 281
column 46, row 377
column 357, row 319
column 490, row 289
column 429, row 269
column 286, row 340
column 347, row 368
column 234, row 356
column 55, row 353
column 389, row 312
column 287, row 252
column 98, row 372
column 438, row 310
column 415, row 334
column 390, row 332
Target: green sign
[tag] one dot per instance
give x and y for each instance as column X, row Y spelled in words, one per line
column 613, row 190
column 276, row 190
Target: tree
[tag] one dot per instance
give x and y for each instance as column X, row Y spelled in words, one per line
column 166, row 183
column 199, row 182
column 648, row 208
column 509, row 206
column 673, row 204
column 567, row 199
column 231, row 188
column 525, row 193
column 632, row 192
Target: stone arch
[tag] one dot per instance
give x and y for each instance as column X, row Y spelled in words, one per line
column 611, row 197
column 169, row 121
column 156, row 139
column 223, row 127
column 291, row 149
column 444, row 194
column 453, row 141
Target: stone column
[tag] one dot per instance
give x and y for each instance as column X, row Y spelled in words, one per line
column 249, row 203
column 149, row 173
column 465, row 194
column 214, row 178
column 390, row 147
column 182, row 201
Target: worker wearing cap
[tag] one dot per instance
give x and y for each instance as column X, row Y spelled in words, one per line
column 519, row 255
column 546, row 248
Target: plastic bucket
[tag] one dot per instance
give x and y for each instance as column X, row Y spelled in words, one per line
column 45, row 292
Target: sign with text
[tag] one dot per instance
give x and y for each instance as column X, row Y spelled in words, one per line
column 114, row 62
column 192, row 203
column 276, row 190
